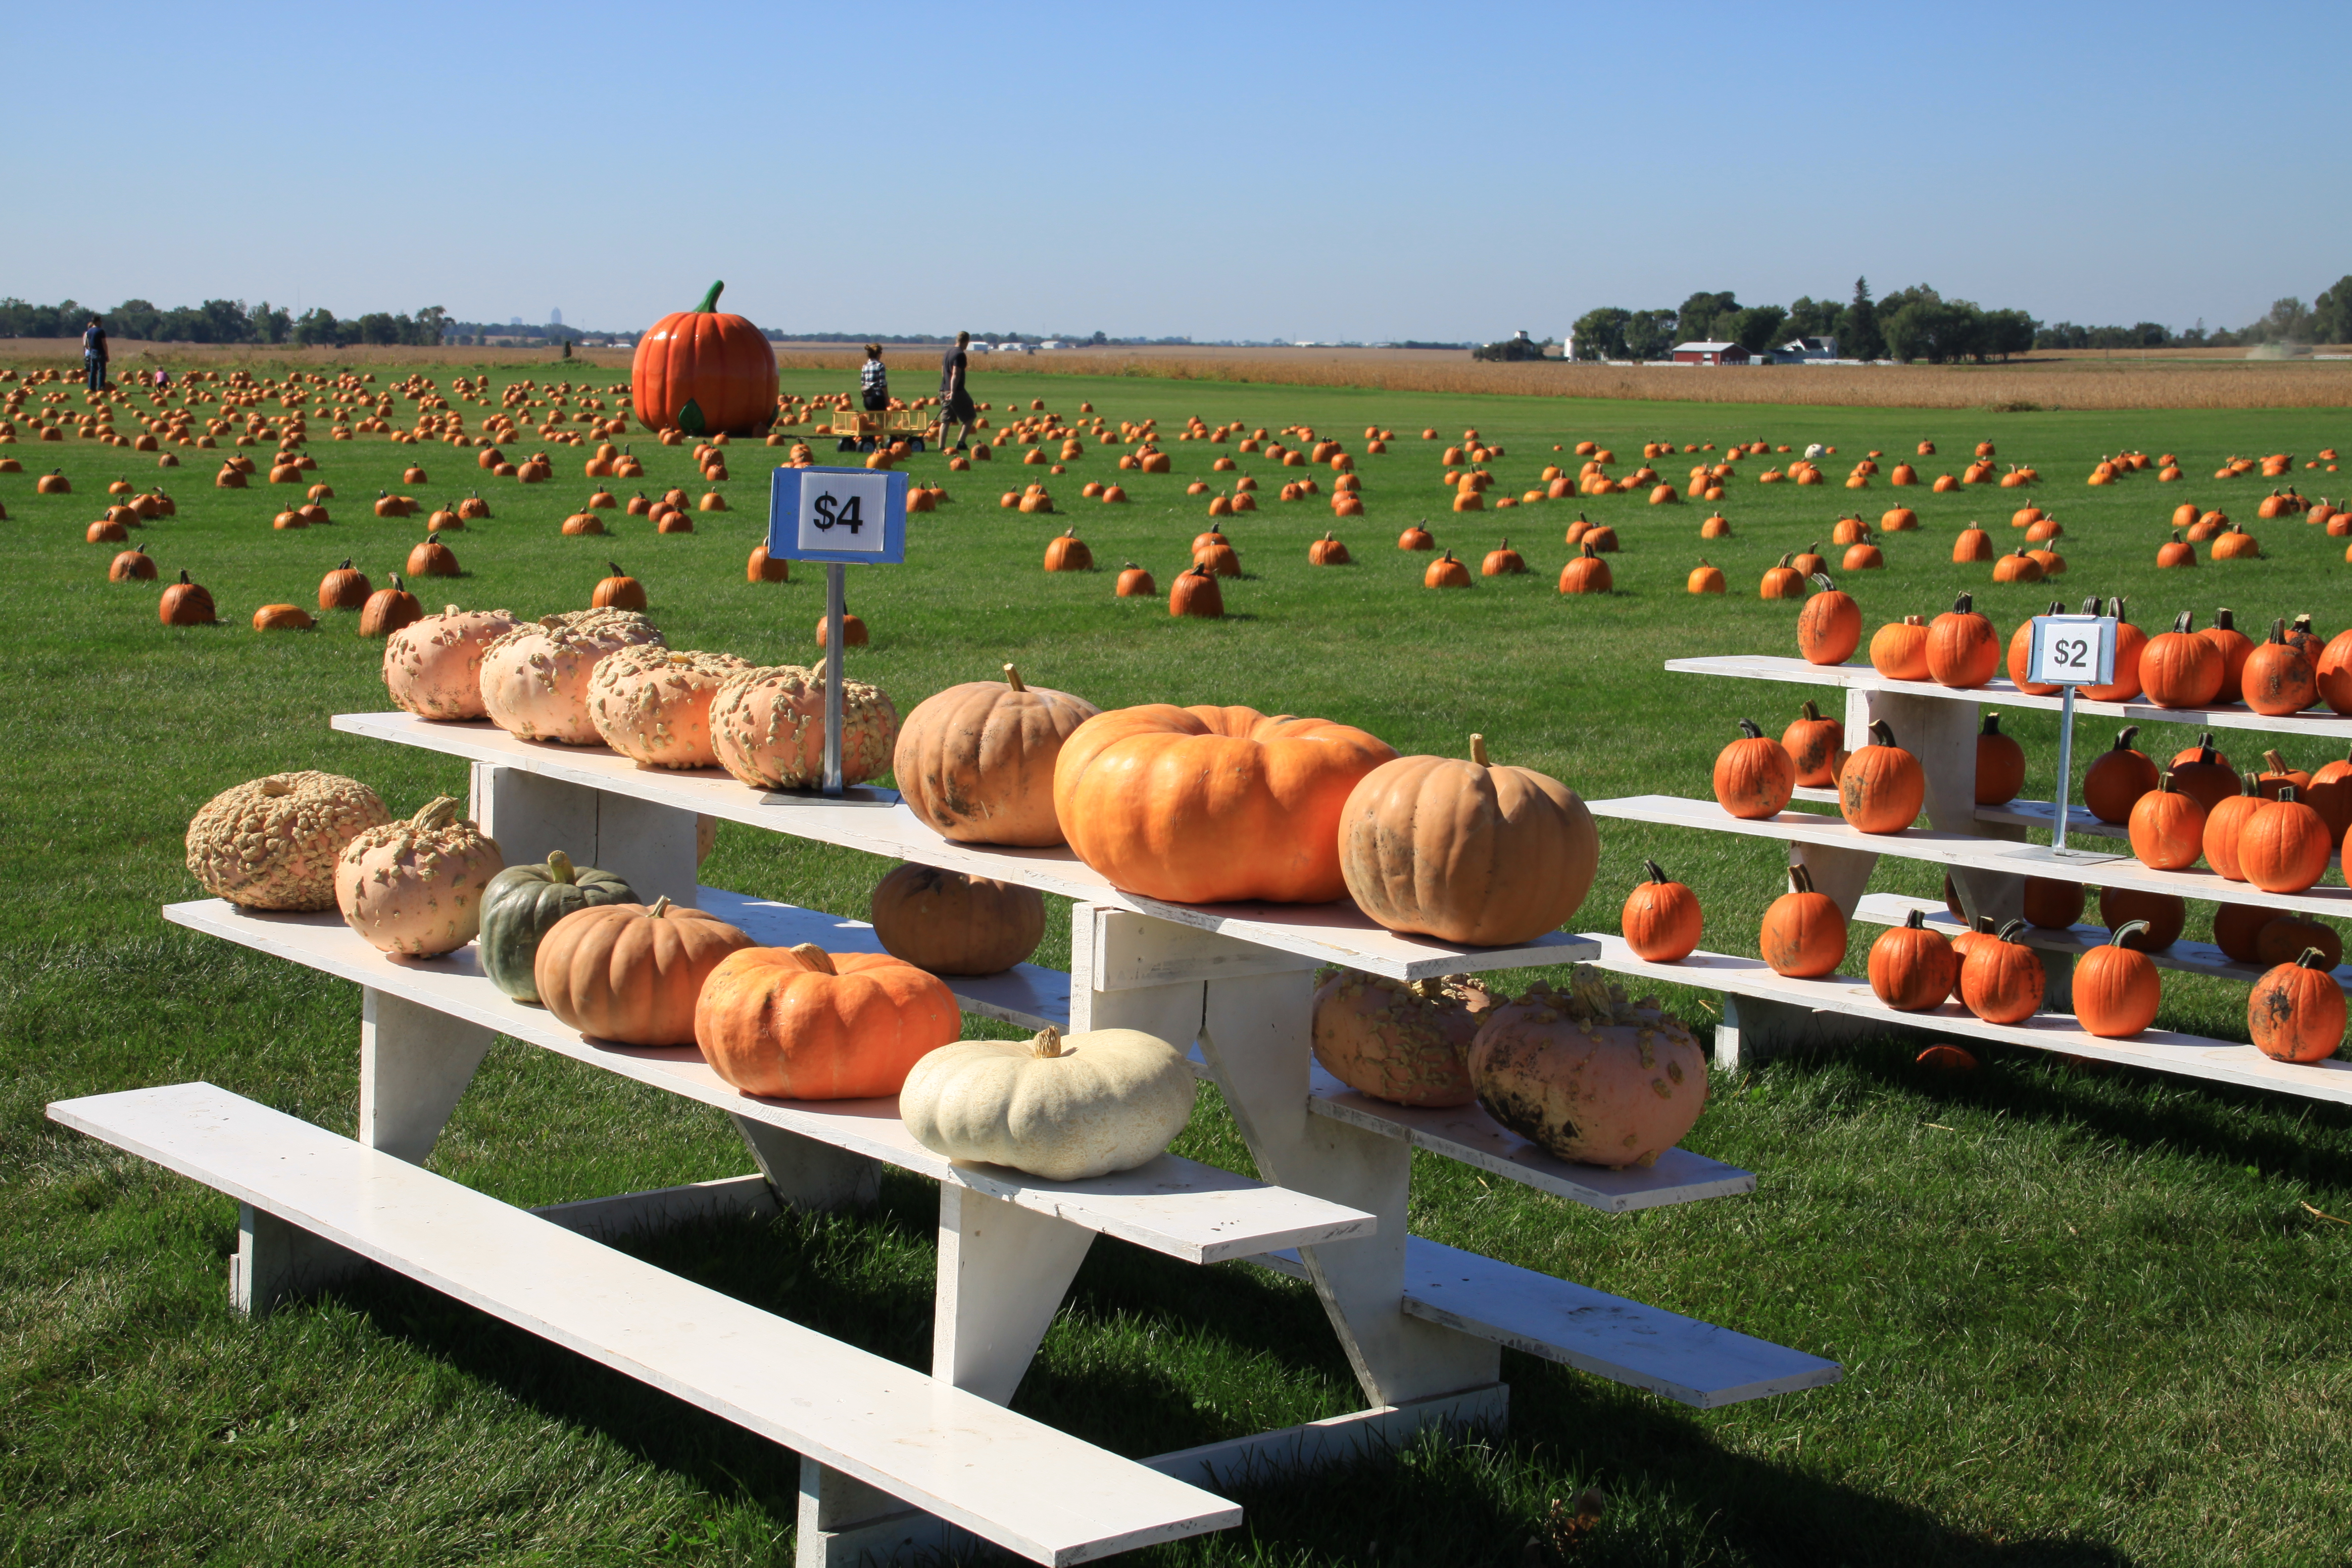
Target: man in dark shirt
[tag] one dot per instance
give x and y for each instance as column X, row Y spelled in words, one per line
column 955, row 398
column 93, row 355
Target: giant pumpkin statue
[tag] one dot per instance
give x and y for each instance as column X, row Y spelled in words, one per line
column 704, row 371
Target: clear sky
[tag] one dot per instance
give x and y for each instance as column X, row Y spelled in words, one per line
column 1303, row 170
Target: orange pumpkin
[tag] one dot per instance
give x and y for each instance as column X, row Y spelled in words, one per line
column 1829, row 628
column 1815, row 744
column 1803, row 934
column 1882, row 786
column 2161, row 917
column 2276, row 678
column 2167, row 827
column 802, row 1023
column 1912, row 968
column 2296, row 1012
column 1961, row 649
column 631, row 973
column 2235, row 647
column 2117, row 988
column 2284, row 846
column 1898, row 651
column 1208, row 804
column 2178, row 669
column 1754, row 775
column 1586, row 1075
column 2020, row 654
column 1661, row 921
column 2000, row 764
column 2001, row 980
column 1466, row 852
column 2225, row 823
column 704, row 370
column 951, row 923
column 976, row 761
column 2281, row 941
column 2116, row 780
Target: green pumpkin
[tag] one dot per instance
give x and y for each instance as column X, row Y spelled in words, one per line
column 522, row 904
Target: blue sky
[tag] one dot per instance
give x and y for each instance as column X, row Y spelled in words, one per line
column 1362, row 171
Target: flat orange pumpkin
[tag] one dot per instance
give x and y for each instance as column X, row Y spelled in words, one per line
column 1203, row 806
column 801, row 1023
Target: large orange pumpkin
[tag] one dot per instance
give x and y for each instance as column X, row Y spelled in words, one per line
column 802, row 1023
column 1210, row 805
column 630, row 972
column 2283, row 846
column 704, row 371
column 976, row 760
column 2296, row 1012
column 1466, row 852
column 2224, row 822
column 1815, row 744
column 2179, row 668
column 1754, row 775
column 2167, row 827
column 2161, row 917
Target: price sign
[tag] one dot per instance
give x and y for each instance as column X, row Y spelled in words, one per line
column 851, row 515
column 2073, row 650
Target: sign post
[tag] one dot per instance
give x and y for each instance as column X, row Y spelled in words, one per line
column 2068, row 651
column 839, row 517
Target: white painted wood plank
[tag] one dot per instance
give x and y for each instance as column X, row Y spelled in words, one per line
column 2183, row 957
column 1965, row 850
column 1664, row 1353
column 2187, row 1056
column 2000, row 693
column 663, row 1208
column 1216, row 1466
column 2044, row 814
column 1328, row 934
column 1015, row 1482
column 1466, row 1132
column 1184, row 1209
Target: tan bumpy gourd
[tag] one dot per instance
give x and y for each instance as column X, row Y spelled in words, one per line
column 1588, row 1075
column 415, row 886
column 272, row 843
column 433, row 668
column 767, row 728
column 652, row 704
column 535, row 677
column 1408, row 1043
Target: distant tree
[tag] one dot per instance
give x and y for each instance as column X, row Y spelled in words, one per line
column 2008, row 333
column 2331, row 314
column 433, row 320
column 381, row 327
column 1755, row 329
column 1810, row 318
column 270, row 326
column 316, row 328
column 2289, row 322
column 1600, row 334
column 1858, row 334
column 225, row 322
column 1701, row 317
column 1649, row 335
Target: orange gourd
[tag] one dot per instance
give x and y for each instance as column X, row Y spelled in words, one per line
column 2167, row 827
column 2180, row 670
column 1814, row 744
column 1911, row 967
column 1754, row 775
column 802, row 1023
column 1898, row 651
column 1962, row 650
column 1803, row 934
column 2296, row 1012
column 2117, row 988
column 2283, row 846
column 2277, row 680
column 2001, row 980
column 1882, row 786
column 1829, row 628
column 2115, row 782
column 1661, row 920
column 2224, row 824
column 2000, row 764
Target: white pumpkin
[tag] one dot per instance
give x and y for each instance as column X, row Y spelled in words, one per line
column 1064, row 1109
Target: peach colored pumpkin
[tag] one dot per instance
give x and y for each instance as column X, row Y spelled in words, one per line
column 433, row 668
column 272, row 843
column 1407, row 1044
column 1585, row 1075
column 976, row 760
column 535, row 677
column 415, row 886
column 767, row 726
column 653, row 704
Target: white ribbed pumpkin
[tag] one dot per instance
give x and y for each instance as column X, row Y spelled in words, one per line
column 1064, row 1109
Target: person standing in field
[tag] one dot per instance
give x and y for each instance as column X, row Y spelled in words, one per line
column 874, row 381
column 955, row 398
column 93, row 355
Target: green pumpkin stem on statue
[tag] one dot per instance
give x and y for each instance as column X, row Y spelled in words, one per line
column 559, row 866
column 711, row 300
column 689, row 418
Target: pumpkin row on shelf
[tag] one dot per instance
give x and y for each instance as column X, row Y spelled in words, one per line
column 1881, row 786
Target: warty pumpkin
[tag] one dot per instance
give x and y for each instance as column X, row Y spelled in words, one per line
column 415, row 886
column 802, row 1023
column 522, row 905
column 1466, row 852
column 949, row 922
column 2000, row 763
column 1803, row 933
column 1829, row 628
column 1912, row 967
column 2117, row 778
column 767, row 728
column 2296, row 1012
column 2001, row 980
column 1066, row 1109
column 632, row 973
column 652, row 704
column 433, row 666
column 272, row 843
column 2117, row 988
column 535, row 677
column 1881, row 787
column 1406, row 1043
column 1661, row 920
column 1587, row 1076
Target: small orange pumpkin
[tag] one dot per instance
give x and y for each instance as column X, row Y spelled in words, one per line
column 1829, row 628
column 2117, row 988
column 1803, row 934
column 1882, row 786
column 2296, row 1012
column 2000, row 764
column 2115, row 782
column 1661, row 921
column 1754, row 775
column 1912, row 968
column 2001, row 980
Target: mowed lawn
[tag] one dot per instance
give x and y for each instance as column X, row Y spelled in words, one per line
column 2085, row 1317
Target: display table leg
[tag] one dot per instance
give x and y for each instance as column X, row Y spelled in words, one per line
column 415, row 1064
column 808, row 1174
column 1003, row 1271
column 1942, row 733
column 844, row 1523
column 652, row 848
column 1754, row 1029
column 275, row 1262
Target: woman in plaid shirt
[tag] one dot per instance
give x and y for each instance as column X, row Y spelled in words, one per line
column 873, row 381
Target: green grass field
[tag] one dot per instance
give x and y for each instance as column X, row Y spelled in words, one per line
column 2085, row 1317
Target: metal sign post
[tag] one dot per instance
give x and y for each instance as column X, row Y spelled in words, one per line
column 2068, row 651
column 839, row 517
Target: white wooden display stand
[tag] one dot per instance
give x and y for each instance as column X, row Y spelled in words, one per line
column 1421, row 1324
column 1983, row 850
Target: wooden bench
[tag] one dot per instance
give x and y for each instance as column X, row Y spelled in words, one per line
column 868, row 1430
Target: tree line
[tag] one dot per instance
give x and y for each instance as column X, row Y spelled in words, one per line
column 222, row 321
column 1919, row 323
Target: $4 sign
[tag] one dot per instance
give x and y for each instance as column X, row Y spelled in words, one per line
column 832, row 514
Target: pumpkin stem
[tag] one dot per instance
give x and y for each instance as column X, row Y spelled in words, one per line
column 2186, row 619
column 2223, row 619
column 1992, row 725
column 2124, row 738
column 2008, row 932
column 1012, row 676
column 1046, row 1042
column 2121, row 936
column 1656, row 872
column 1916, row 921
column 1751, row 728
column 2277, row 763
column 2091, row 605
column 1478, row 751
column 1821, row 580
column 2286, row 792
column 1810, row 713
column 2278, row 630
column 2312, row 958
column 2247, row 784
column 661, row 907
column 1965, row 605
column 438, row 812
column 1880, row 735
column 709, row 300
column 2164, row 782
column 1800, row 879
column 1983, row 925
column 814, row 957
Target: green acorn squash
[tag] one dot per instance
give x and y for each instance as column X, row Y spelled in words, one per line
column 523, row 904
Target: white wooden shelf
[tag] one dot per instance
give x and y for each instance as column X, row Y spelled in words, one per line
column 2182, row 957
column 1329, row 934
column 2187, row 1055
column 1467, row 1133
column 2001, row 693
column 1191, row 1211
column 2003, row 855
column 1648, row 1348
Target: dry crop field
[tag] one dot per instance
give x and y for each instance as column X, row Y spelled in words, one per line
column 2087, row 1317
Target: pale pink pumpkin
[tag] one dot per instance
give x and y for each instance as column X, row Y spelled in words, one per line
column 767, row 728
column 535, row 677
column 433, row 668
column 653, row 704
column 415, row 886
column 1587, row 1076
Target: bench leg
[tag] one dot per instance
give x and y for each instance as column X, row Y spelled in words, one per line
column 415, row 1064
column 275, row 1261
column 1003, row 1271
column 807, row 1175
column 652, row 846
column 1255, row 1040
column 844, row 1523
column 1755, row 1029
